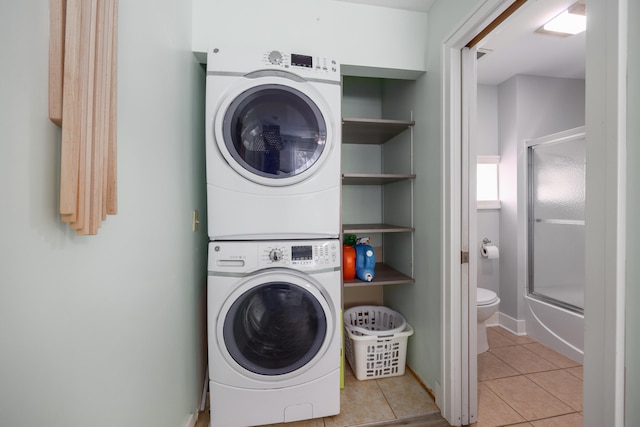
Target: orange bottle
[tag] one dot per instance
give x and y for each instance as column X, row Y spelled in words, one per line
column 348, row 262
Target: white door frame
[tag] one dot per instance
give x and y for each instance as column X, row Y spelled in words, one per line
column 606, row 120
column 469, row 224
column 459, row 345
column 606, row 123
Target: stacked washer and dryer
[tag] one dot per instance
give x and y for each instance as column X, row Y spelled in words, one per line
column 273, row 198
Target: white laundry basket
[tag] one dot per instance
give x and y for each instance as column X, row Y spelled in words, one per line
column 375, row 346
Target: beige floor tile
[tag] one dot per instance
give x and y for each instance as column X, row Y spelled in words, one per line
column 347, row 368
column 203, row 419
column 361, row 402
column 493, row 411
column 522, row 359
column 576, row 371
column 496, row 339
column 570, row 420
column 406, row 396
column 518, row 339
column 562, row 385
column 490, row 367
column 527, row 398
column 551, row 355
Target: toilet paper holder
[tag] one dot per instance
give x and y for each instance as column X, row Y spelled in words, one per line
column 488, row 250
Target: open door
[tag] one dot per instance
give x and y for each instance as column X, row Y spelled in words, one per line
column 468, row 238
column 460, row 244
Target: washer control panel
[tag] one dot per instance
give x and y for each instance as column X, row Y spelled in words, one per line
column 299, row 253
column 246, row 256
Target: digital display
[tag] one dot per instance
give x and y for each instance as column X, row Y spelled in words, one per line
column 301, row 253
column 301, row 60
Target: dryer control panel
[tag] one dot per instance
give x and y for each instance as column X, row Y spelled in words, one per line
column 305, row 65
column 297, row 60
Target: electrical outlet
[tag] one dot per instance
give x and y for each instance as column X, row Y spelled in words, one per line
column 196, row 220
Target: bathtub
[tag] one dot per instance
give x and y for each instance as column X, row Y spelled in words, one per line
column 555, row 327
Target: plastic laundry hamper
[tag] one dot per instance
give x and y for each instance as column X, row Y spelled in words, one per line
column 376, row 341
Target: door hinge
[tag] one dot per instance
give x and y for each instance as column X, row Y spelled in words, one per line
column 464, row 257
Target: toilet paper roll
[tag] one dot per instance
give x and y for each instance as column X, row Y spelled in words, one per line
column 490, row 251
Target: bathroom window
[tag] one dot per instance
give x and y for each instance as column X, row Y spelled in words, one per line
column 487, row 193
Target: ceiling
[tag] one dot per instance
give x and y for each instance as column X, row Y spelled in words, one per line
column 414, row 5
column 515, row 48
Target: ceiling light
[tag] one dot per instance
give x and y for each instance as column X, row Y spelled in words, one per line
column 571, row 21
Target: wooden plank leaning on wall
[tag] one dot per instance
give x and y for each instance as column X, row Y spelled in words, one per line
column 82, row 100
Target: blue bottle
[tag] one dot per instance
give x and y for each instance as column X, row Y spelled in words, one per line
column 365, row 262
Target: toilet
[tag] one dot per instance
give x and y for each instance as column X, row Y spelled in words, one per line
column 488, row 303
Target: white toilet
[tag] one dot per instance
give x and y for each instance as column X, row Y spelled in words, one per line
column 488, row 303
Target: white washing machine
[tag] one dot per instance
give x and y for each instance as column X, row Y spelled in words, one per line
column 274, row 331
column 273, row 133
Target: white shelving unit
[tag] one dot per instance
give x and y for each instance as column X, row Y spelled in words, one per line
column 393, row 235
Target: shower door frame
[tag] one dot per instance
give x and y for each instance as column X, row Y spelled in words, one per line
column 556, row 138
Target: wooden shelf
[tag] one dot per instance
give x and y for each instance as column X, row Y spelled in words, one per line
column 373, row 179
column 383, row 275
column 374, row 228
column 372, row 131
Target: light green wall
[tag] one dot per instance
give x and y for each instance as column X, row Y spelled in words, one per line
column 422, row 303
column 632, row 355
column 367, row 40
column 103, row 330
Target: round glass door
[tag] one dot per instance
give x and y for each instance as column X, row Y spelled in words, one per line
column 274, row 328
column 274, row 131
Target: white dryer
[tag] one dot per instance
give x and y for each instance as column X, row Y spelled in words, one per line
column 274, row 331
column 273, row 133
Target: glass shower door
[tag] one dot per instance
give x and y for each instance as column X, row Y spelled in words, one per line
column 556, row 235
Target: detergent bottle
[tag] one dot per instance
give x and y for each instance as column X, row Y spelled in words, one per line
column 365, row 262
column 348, row 262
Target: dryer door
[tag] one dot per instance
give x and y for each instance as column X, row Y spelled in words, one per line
column 275, row 132
column 275, row 325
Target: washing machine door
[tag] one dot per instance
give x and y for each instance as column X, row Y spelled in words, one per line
column 274, row 131
column 275, row 325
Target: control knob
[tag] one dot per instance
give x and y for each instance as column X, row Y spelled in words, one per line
column 275, row 57
column 275, row 255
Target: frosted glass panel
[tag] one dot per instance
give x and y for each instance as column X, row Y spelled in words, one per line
column 558, row 269
column 556, row 222
column 558, row 180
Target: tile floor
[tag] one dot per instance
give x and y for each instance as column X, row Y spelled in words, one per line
column 524, row 383
column 521, row 383
column 399, row 400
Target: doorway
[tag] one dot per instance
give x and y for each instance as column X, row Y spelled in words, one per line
column 605, row 119
column 535, row 85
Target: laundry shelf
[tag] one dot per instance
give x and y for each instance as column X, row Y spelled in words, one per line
column 373, row 179
column 372, row 131
column 384, row 275
column 375, row 228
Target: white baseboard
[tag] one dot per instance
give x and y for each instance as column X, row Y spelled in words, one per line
column 494, row 320
column 438, row 393
column 516, row 326
column 205, row 390
column 190, row 420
